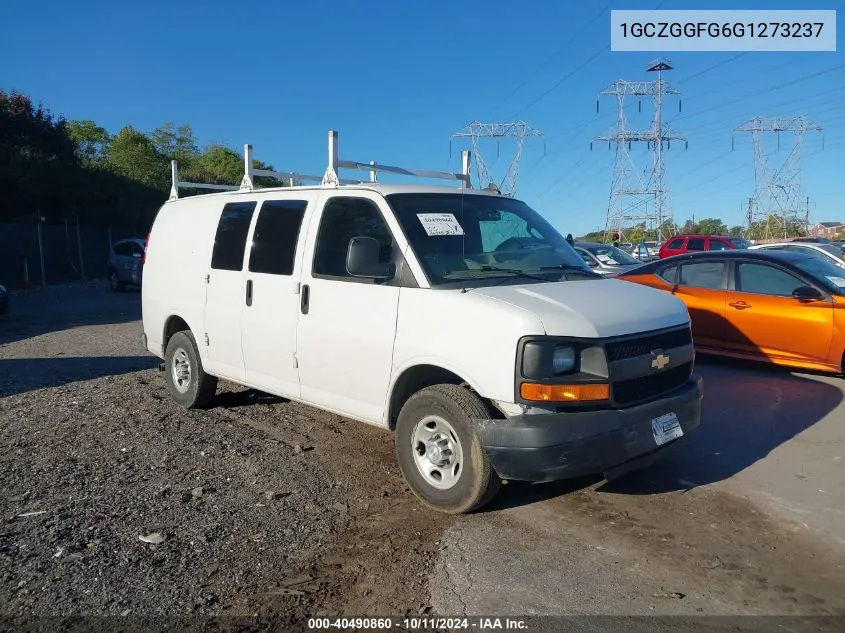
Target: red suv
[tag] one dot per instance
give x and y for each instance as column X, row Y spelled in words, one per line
column 681, row 244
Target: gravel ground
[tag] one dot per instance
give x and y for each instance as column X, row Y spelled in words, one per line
column 256, row 506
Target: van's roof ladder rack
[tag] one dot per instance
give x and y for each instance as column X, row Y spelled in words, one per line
column 332, row 179
column 329, row 179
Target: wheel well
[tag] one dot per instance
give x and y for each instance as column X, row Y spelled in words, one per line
column 420, row 377
column 174, row 324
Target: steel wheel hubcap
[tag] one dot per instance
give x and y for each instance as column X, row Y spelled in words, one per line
column 437, row 451
column 180, row 370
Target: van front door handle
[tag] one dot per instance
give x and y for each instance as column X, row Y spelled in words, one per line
column 739, row 305
column 303, row 301
column 249, row 292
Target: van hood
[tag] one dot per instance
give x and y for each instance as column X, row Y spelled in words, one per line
column 593, row 308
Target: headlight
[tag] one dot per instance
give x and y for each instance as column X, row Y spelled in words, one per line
column 544, row 359
column 563, row 359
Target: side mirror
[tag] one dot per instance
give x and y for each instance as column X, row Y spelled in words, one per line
column 362, row 259
column 806, row 293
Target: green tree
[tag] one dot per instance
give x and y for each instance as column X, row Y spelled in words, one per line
column 175, row 143
column 711, row 226
column 737, row 231
column 133, row 155
column 37, row 159
column 92, row 141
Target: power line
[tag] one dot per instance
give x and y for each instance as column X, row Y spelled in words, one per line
column 575, row 70
column 579, row 32
column 761, row 92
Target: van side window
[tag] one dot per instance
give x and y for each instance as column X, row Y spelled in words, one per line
column 343, row 219
column 230, row 241
column 275, row 237
column 675, row 244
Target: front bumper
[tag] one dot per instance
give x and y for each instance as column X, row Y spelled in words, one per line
column 547, row 447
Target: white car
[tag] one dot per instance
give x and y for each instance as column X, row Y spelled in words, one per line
column 827, row 252
column 459, row 319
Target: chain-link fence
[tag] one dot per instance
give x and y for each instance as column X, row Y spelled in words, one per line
column 35, row 254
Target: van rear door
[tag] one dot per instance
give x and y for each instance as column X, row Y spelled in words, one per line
column 225, row 291
column 271, row 298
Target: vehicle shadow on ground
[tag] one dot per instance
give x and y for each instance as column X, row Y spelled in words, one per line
column 63, row 307
column 19, row 375
column 756, row 409
column 752, row 410
column 243, row 398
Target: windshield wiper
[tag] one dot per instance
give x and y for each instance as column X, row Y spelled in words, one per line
column 569, row 267
column 514, row 271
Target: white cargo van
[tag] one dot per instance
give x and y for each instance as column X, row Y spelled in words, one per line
column 457, row 318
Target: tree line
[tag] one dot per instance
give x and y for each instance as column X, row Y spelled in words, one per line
column 76, row 170
column 773, row 226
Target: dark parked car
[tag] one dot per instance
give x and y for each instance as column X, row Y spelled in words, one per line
column 605, row 259
column 126, row 263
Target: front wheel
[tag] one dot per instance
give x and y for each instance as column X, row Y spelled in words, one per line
column 439, row 452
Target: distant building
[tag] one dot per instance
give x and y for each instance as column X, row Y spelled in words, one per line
column 827, row 229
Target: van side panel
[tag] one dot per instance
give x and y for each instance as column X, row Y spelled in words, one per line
column 178, row 254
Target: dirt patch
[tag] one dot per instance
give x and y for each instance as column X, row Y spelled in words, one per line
column 381, row 562
column 239, row 505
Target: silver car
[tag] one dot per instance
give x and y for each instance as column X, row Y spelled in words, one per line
column 126, row 263
column 605, row 259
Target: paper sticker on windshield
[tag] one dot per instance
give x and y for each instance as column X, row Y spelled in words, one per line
column 839, row 281
column 604, row 259
column 440, row 224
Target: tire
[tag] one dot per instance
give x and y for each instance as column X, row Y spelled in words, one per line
column 193, row 389
column 450, row 409
column 114, row 281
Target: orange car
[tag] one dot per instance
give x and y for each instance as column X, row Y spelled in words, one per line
column 779, row 307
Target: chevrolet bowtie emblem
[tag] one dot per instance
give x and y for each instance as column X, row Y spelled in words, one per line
column 659, row 360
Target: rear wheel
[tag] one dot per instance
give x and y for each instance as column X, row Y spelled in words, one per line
column 439, row 452
column 184, row 376
column 114, row 281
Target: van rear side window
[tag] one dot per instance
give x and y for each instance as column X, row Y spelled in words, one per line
column 230, row 241
column 276, row 235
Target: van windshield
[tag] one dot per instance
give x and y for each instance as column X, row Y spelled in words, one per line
column 461, row 237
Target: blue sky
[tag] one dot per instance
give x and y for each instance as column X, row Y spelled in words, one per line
column 396, row 79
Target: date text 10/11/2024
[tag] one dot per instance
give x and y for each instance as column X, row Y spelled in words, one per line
column 418, row 623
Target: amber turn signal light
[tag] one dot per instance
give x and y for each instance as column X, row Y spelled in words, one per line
column 564, row 393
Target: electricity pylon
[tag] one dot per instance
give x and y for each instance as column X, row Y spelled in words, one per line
column 778, row 205
column 639, row 195
column 518, row 130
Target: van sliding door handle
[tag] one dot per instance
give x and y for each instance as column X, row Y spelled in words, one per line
column 249, row 292
column 305, row 296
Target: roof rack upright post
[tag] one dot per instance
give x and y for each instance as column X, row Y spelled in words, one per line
column 466, row 165
column 246, row 183
column 174, row 178
column 330, row 178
